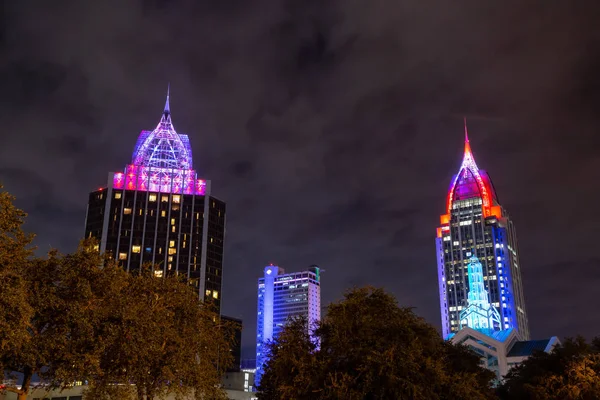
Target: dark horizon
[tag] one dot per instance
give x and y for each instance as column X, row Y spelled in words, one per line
column 330, row 129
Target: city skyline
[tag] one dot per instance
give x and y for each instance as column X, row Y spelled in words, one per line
column 331, row 131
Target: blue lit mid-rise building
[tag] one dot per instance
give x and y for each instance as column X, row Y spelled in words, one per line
column 477, row 254
column 282, row 296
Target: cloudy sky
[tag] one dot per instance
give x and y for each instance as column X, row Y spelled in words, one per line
column 330, row 127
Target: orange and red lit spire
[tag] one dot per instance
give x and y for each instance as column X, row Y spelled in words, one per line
column 470, row 181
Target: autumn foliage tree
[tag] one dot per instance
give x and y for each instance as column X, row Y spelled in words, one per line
column 160, row 340
column 367, row 347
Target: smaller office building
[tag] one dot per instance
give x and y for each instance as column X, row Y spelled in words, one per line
column 283, row 296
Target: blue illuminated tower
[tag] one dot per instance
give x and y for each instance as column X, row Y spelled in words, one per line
column 158, row 211
column 485, row 294
column 282, row 296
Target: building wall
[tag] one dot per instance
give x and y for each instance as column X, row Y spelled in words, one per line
column 177, row 233
column 493, row 241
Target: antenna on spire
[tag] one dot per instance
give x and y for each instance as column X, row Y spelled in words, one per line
column 167, row 107
column 466, row 131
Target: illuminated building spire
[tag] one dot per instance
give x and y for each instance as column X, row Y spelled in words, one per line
column 161, row 161
column 470, row 181
column 167, row 110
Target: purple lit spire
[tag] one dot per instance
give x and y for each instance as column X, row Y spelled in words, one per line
column 161, row 161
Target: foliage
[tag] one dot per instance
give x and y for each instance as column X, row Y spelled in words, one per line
column 570, row 372
column 369, row 348
column 68, row 297
column 15, row 251
column 162, row 340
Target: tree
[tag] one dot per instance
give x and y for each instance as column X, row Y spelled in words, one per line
column 161, row 340
column 68, row 296
column 369, row 348
column 15, row 252
column 570, row 372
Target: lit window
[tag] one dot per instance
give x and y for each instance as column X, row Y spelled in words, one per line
column 215, row 294
column 122, row 256
column 117, row 195
column 208, row 293
column 136, row 249
column 97, row 247
column 127, row 211
column 172, row 221
column 176, row 198
column 164, row 199
column 163, row 213
column 152, row 197
column 173, row 228
column 170, row 258
column 172, row 251
column 158, row 273
column 172, row 243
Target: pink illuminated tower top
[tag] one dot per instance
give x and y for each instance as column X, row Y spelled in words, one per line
column 471, row 182
column 161, row 162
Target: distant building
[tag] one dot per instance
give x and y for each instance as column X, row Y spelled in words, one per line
column 282, row 296
column 236, row 350
column 158, row 211
column 476, row 225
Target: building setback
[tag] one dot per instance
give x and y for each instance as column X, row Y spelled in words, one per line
column 282, row 296
column 158, row 211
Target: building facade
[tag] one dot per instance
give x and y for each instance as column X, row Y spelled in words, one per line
column 282, row 296
column 477, row 257
column 157, row 211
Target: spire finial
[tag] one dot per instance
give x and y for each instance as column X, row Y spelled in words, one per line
column 466, row 131
column 167, row 107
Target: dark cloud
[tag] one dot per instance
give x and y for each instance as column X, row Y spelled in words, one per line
column 331, row 129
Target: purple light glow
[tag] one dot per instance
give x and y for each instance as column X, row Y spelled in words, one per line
column 161, row 162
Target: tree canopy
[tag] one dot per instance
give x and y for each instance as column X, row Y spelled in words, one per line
column 367, row 347
column 81, row 317
column 570, row 372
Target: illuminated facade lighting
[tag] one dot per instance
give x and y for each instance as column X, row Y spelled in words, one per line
column 158, row 211
column 282, row 296
column 476, row 227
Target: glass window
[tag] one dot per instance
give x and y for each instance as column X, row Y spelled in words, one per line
column 176, row 198
column 117, row 195
column 127, row 211
column 136, row 249
column 152, row 197
column 122, row 256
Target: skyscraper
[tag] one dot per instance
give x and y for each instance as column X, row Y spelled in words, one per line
column 282, row 296
column 479, row 272
column 158, row 211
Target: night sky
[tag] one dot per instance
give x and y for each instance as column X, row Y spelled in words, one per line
column 331, row 128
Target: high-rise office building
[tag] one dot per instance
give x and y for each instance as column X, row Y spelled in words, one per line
column 157, row 211
column 282, row 296
column 479, row 272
